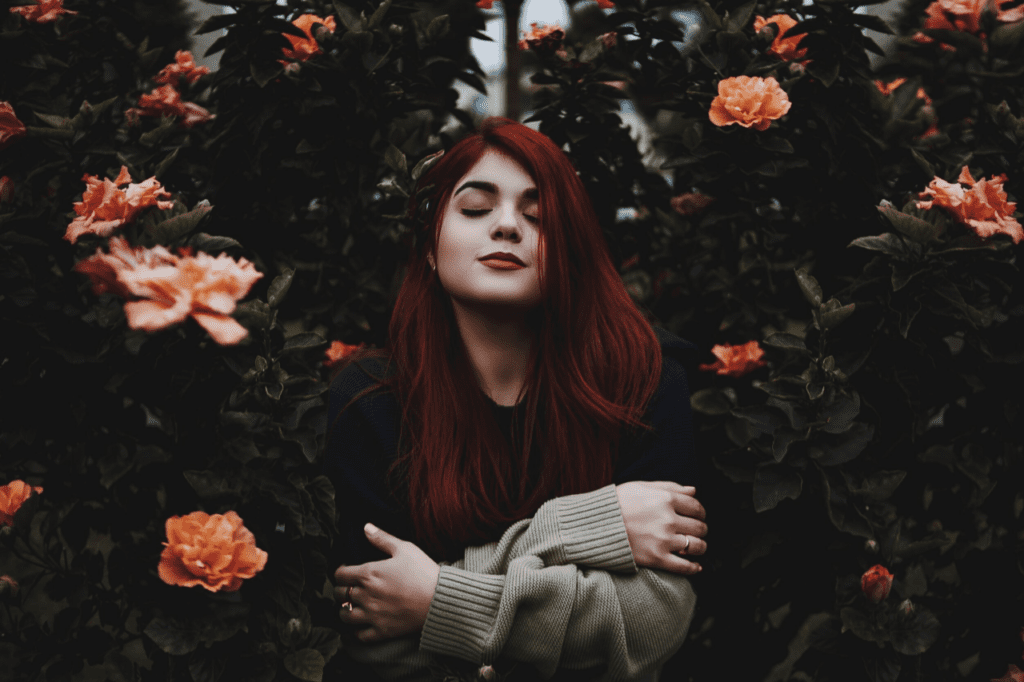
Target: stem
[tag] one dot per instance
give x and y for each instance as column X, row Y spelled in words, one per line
column 513, row 61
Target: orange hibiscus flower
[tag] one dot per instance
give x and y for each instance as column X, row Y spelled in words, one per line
column 784, row 46
column 750, row 101
column 966, row 16
column 10, row 127
column 104, row 207
column 691, row 203
column 214, row 552
column 542, row 38
column 167, row 100
column 184, row 66
column 168, row 289
column 735, row 361
column 43, row 13
column 983, row 207
column 337, row 352
column 12, row 496
column 304, row 48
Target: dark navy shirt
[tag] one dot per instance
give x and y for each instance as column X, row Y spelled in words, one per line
column 363, row 443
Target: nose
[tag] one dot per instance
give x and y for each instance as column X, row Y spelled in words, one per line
column 507, row 225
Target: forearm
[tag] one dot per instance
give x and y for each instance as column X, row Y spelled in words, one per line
column 560, row 617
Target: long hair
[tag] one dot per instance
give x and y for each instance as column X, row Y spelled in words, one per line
column 593, row 368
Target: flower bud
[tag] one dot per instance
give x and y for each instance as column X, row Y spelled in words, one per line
column 871, row 546
column 487, row 673
column 797, row 69
column 876, row 583
column 86, row 108
column 907, row 607
column 609, row 39
column 8, row 586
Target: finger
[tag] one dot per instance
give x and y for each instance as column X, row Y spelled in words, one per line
column 686, row 505
column 371, row 634
column 357, row 616
column 685, row 525
column 677, row 564
column 695, row 547
column 673, row 487
column 381, row 539
column 349, row 575
column 344, row 593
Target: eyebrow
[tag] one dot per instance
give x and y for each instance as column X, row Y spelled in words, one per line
column 491, row 188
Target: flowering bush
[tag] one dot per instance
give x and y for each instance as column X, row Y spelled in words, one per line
column 750, row 101
column 879, row 428
column 544, row 38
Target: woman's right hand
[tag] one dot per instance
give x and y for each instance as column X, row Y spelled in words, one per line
column 659, row 517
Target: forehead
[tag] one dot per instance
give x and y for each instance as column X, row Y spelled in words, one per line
column 499, row 169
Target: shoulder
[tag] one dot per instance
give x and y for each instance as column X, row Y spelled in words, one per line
column 357, row 378
column 676, row 355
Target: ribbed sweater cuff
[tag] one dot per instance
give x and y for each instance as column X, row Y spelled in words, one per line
column 462, row 613
column 593, row 531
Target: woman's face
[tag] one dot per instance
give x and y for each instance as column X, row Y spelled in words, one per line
column 493, row 208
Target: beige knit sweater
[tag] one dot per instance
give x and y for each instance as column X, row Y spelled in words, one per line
column 559, row 591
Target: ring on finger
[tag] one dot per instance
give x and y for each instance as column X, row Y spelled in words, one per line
column 686, row 547
column 347, row 604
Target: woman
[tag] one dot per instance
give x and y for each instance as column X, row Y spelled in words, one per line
column 532, row 520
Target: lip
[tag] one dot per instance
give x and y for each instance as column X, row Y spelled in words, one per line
column 501, row 264
column 504, row 256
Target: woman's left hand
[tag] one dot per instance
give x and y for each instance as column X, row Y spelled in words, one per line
column 389, row 598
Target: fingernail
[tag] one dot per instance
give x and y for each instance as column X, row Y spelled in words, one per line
column 370, row 528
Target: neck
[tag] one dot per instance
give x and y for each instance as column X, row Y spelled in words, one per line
column 498, row 348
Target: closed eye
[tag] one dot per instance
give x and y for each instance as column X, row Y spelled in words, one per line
column 477, row 212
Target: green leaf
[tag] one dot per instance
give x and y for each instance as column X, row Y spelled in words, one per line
column 739, row 19
column 848, row 448
column 264, row 72
column 378, row 14
column 772, row 484
column 775, row 144
column 303, row 341
column 712, row 401
column 438, row 27
column 395, row 159
column 879, row 486
column 217, row 22
column 761, row 418
column 425, row 163
column 208, row 243
column 862, row 625
column 279, row 287
column 832, row 314
column 348, row 17
column 824, row 71
column 916, row 636
column 54, row 121
column 888, row 243
column 871, row 22
column 803, row 641
column 916, row 229
column 809, row 286
column 172, row 637
column 784, row 438
column 209, row 484
column 178, row 226
column 306, row 664
column 786, row 341
column 839, row 415
column 167, row 125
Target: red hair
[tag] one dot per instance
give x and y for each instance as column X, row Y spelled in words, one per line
column 593, row 368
